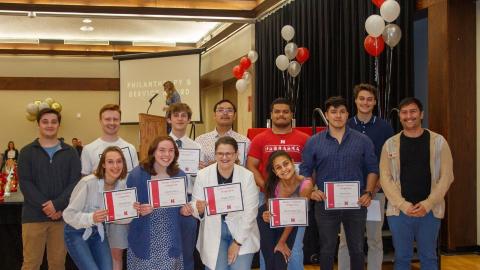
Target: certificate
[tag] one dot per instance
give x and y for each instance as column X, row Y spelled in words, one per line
column 288, row 212
column 188, row 160
column 224, row 199
column 342, row 195
column 119, row 204
column 242, row 152
column 169, row 192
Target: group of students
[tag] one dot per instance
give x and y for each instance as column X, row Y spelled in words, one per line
column 281, row 163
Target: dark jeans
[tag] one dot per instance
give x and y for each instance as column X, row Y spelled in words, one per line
column 189, row 239
column 268, row 240
column 90, row 254
column 328, row 223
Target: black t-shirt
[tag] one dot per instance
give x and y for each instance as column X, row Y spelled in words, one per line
column 415, row 175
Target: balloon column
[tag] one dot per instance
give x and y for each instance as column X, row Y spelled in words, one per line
column 240, row 71
column 380, row 34
column 290, row 63
column 34, row 107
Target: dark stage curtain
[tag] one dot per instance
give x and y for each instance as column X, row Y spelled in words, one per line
column 333, row 31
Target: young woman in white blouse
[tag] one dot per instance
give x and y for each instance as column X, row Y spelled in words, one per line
column 228, row 241
column 85, row 236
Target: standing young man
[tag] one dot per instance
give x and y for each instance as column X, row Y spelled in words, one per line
column 179, row 116
column 416, row 170
column 48, row 170
column 224, row 114
column 110, row 116
column 280, row 137
column 378, row 130
column 340, row 155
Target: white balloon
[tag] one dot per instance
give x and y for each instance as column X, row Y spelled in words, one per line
column 291, row 50
column 282, row 62
column 288, row 32
column 253, row 56
column 241, row 85
column 294, row 68
column 32, row 108
column 43, row 105
column 375, row 25
column 390, row 10
column 247, row 76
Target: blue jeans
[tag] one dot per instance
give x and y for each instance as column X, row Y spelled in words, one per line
column 424, row 230
column 296, row 259
column 189, row 239
column 328, row 223
column 90, row 254
column 243, row 262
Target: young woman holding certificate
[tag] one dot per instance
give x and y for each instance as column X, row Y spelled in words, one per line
column 225, row 200
column 154, row 239
column 283, row 182
column 85, row 236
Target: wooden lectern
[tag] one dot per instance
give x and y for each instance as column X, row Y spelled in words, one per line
column 151, row 126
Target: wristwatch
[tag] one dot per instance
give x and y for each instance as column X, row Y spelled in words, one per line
column 369, row 193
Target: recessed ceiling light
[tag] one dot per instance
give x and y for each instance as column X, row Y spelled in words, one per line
column 87, row 20
column 87, row 28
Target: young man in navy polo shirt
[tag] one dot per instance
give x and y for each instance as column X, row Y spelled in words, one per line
column 378, row 130
column 340, row 155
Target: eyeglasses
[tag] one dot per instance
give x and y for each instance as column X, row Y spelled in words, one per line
column 226, row 154
column 227, row 111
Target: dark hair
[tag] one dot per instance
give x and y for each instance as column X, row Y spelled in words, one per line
column 8, row 145
column 227, row 140
column 100, row 171
column 272, row 179
column 42, row 112
column 109, row 107
column 335, row 102
column 170, row 87
column 365, row 87
column 222, row 101
column 410, row 100
column 179, row 107
column 282, row 101
column 148, row 163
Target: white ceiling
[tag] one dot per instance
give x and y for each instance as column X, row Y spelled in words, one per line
column 107, row 29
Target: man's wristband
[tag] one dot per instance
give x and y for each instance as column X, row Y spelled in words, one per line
column 369, row 193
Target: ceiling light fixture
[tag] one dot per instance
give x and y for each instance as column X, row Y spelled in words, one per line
column 87, row 28
column 85, row 42
column 87, row 20
column 154, row 43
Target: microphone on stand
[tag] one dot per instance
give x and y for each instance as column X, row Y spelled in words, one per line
column 150, row 101
column 314, row 123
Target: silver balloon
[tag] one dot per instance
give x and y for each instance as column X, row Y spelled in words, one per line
column 247, row 76
column 294, row 68
column 253, row 56
column 392, row 35
column 287, row 32
column 241, row 85
column 43, row 105
column 291, row 50
column 282, row 62
column 32, row 108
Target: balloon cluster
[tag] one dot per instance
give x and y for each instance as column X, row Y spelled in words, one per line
column 292, row 51
column 34, row 107
column 240, row 71
column 380, row 34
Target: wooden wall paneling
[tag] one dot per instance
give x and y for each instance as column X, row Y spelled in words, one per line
column 452, row 110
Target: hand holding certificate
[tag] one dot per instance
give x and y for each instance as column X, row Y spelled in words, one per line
column 224, row 199
column 119, row 204
column 170, row 192
column 188, row 160
column 288, row 212
column 342, row 195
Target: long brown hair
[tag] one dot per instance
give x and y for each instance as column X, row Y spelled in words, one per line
column 148, row 163
column 169, row 88
column 100, row 171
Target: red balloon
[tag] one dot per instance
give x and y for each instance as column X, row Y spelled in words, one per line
column 238, row 71
column 302, row 55
column 378, row 3
column 245, row 63
column 374, row 45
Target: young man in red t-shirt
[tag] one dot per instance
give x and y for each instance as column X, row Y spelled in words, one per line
column 280, row 137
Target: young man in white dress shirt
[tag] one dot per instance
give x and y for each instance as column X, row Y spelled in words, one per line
column 179, row 116
column 110, row 116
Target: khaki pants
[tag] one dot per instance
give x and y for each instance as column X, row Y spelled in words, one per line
column 35, row 236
